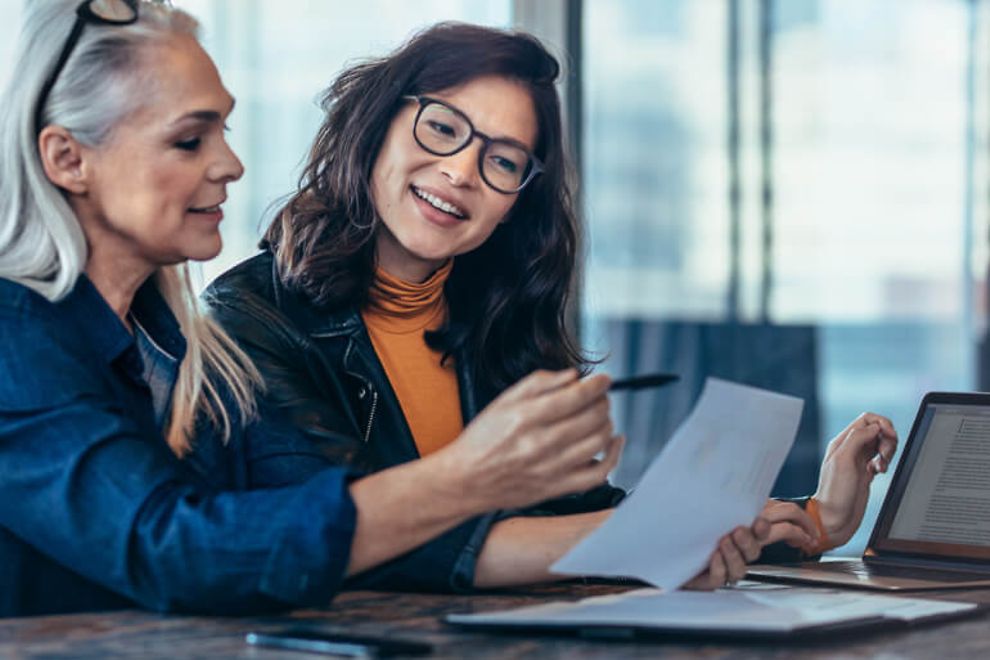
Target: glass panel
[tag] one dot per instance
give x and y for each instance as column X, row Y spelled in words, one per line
column 655, row 175
column 872, row 226
column 870, row 160
column 655, row 185
column 11, row 11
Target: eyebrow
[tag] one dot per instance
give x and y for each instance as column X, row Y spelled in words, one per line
column 205, row 116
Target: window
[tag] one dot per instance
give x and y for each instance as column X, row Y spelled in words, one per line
column 11, row 11
column 853, row 134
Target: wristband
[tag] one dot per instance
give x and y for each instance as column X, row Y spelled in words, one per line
column 823, row 541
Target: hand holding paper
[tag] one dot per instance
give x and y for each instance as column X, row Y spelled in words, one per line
column 714, row 474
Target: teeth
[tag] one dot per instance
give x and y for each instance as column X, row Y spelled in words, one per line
column 436, row 202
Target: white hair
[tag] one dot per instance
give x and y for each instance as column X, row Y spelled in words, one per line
column 42, row 245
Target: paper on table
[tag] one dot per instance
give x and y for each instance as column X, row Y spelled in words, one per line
column 715, row 473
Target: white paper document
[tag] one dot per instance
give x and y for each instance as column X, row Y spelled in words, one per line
column 775, row 610
column 715, row 473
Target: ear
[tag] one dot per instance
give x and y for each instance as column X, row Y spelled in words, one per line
column 62, row 158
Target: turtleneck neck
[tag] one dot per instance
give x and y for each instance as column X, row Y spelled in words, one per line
column 397, row 306
column 397, row 316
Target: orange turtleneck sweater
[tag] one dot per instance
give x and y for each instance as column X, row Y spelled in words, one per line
column 397, row 315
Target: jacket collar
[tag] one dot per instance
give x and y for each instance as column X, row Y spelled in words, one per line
column 312, row 319
column 103, row 329
column 324, row 323
column 296, row 315
column 97, row 323
column 154, row 315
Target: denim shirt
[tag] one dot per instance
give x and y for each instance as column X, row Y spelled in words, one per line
column 96, row 512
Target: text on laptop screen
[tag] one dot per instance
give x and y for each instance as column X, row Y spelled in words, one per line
column 943, row 494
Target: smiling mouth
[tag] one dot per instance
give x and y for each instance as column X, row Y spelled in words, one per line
column 206, row 209
column 439, row 204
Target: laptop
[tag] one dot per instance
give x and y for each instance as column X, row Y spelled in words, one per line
column 933, row 531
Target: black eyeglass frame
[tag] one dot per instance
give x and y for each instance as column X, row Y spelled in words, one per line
column 84, row 15
column 536, row 165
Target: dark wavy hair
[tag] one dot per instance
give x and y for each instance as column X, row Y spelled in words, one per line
column 507, row 298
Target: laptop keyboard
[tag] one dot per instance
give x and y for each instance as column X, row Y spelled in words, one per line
column 902, row 572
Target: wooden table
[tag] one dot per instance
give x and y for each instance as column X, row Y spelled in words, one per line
column 134, row 633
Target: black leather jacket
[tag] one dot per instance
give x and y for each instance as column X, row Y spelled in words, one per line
column 323, row 375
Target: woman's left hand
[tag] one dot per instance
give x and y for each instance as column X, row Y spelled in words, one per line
column 857, row 454
column 791, row 524
column 727, row 563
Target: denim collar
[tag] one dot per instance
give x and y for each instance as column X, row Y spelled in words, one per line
column 155, row 317
column 106, row 333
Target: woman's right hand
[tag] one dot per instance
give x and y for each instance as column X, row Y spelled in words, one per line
column 538, row 440
column 727, row 563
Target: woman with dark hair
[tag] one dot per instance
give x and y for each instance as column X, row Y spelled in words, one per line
column 423, row 267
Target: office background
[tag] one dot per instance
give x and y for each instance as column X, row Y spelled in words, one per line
column 790, row 193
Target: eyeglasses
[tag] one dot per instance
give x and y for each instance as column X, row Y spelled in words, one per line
column 98, row 12
column 443, row 130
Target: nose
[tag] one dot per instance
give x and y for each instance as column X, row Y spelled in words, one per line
column 461, row 169
column 227, row 167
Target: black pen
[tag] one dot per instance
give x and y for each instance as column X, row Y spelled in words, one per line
column 646, row 380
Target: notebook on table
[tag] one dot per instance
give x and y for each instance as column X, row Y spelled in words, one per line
column 754, row 611
column 933, row 531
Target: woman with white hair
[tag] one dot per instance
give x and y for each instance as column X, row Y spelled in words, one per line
column 113, row 170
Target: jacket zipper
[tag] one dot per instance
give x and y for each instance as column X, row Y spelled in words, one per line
column 371, row 415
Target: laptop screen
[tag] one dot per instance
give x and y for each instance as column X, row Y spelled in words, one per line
column 939, row 501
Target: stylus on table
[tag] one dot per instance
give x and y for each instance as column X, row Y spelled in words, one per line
column 325, row 646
